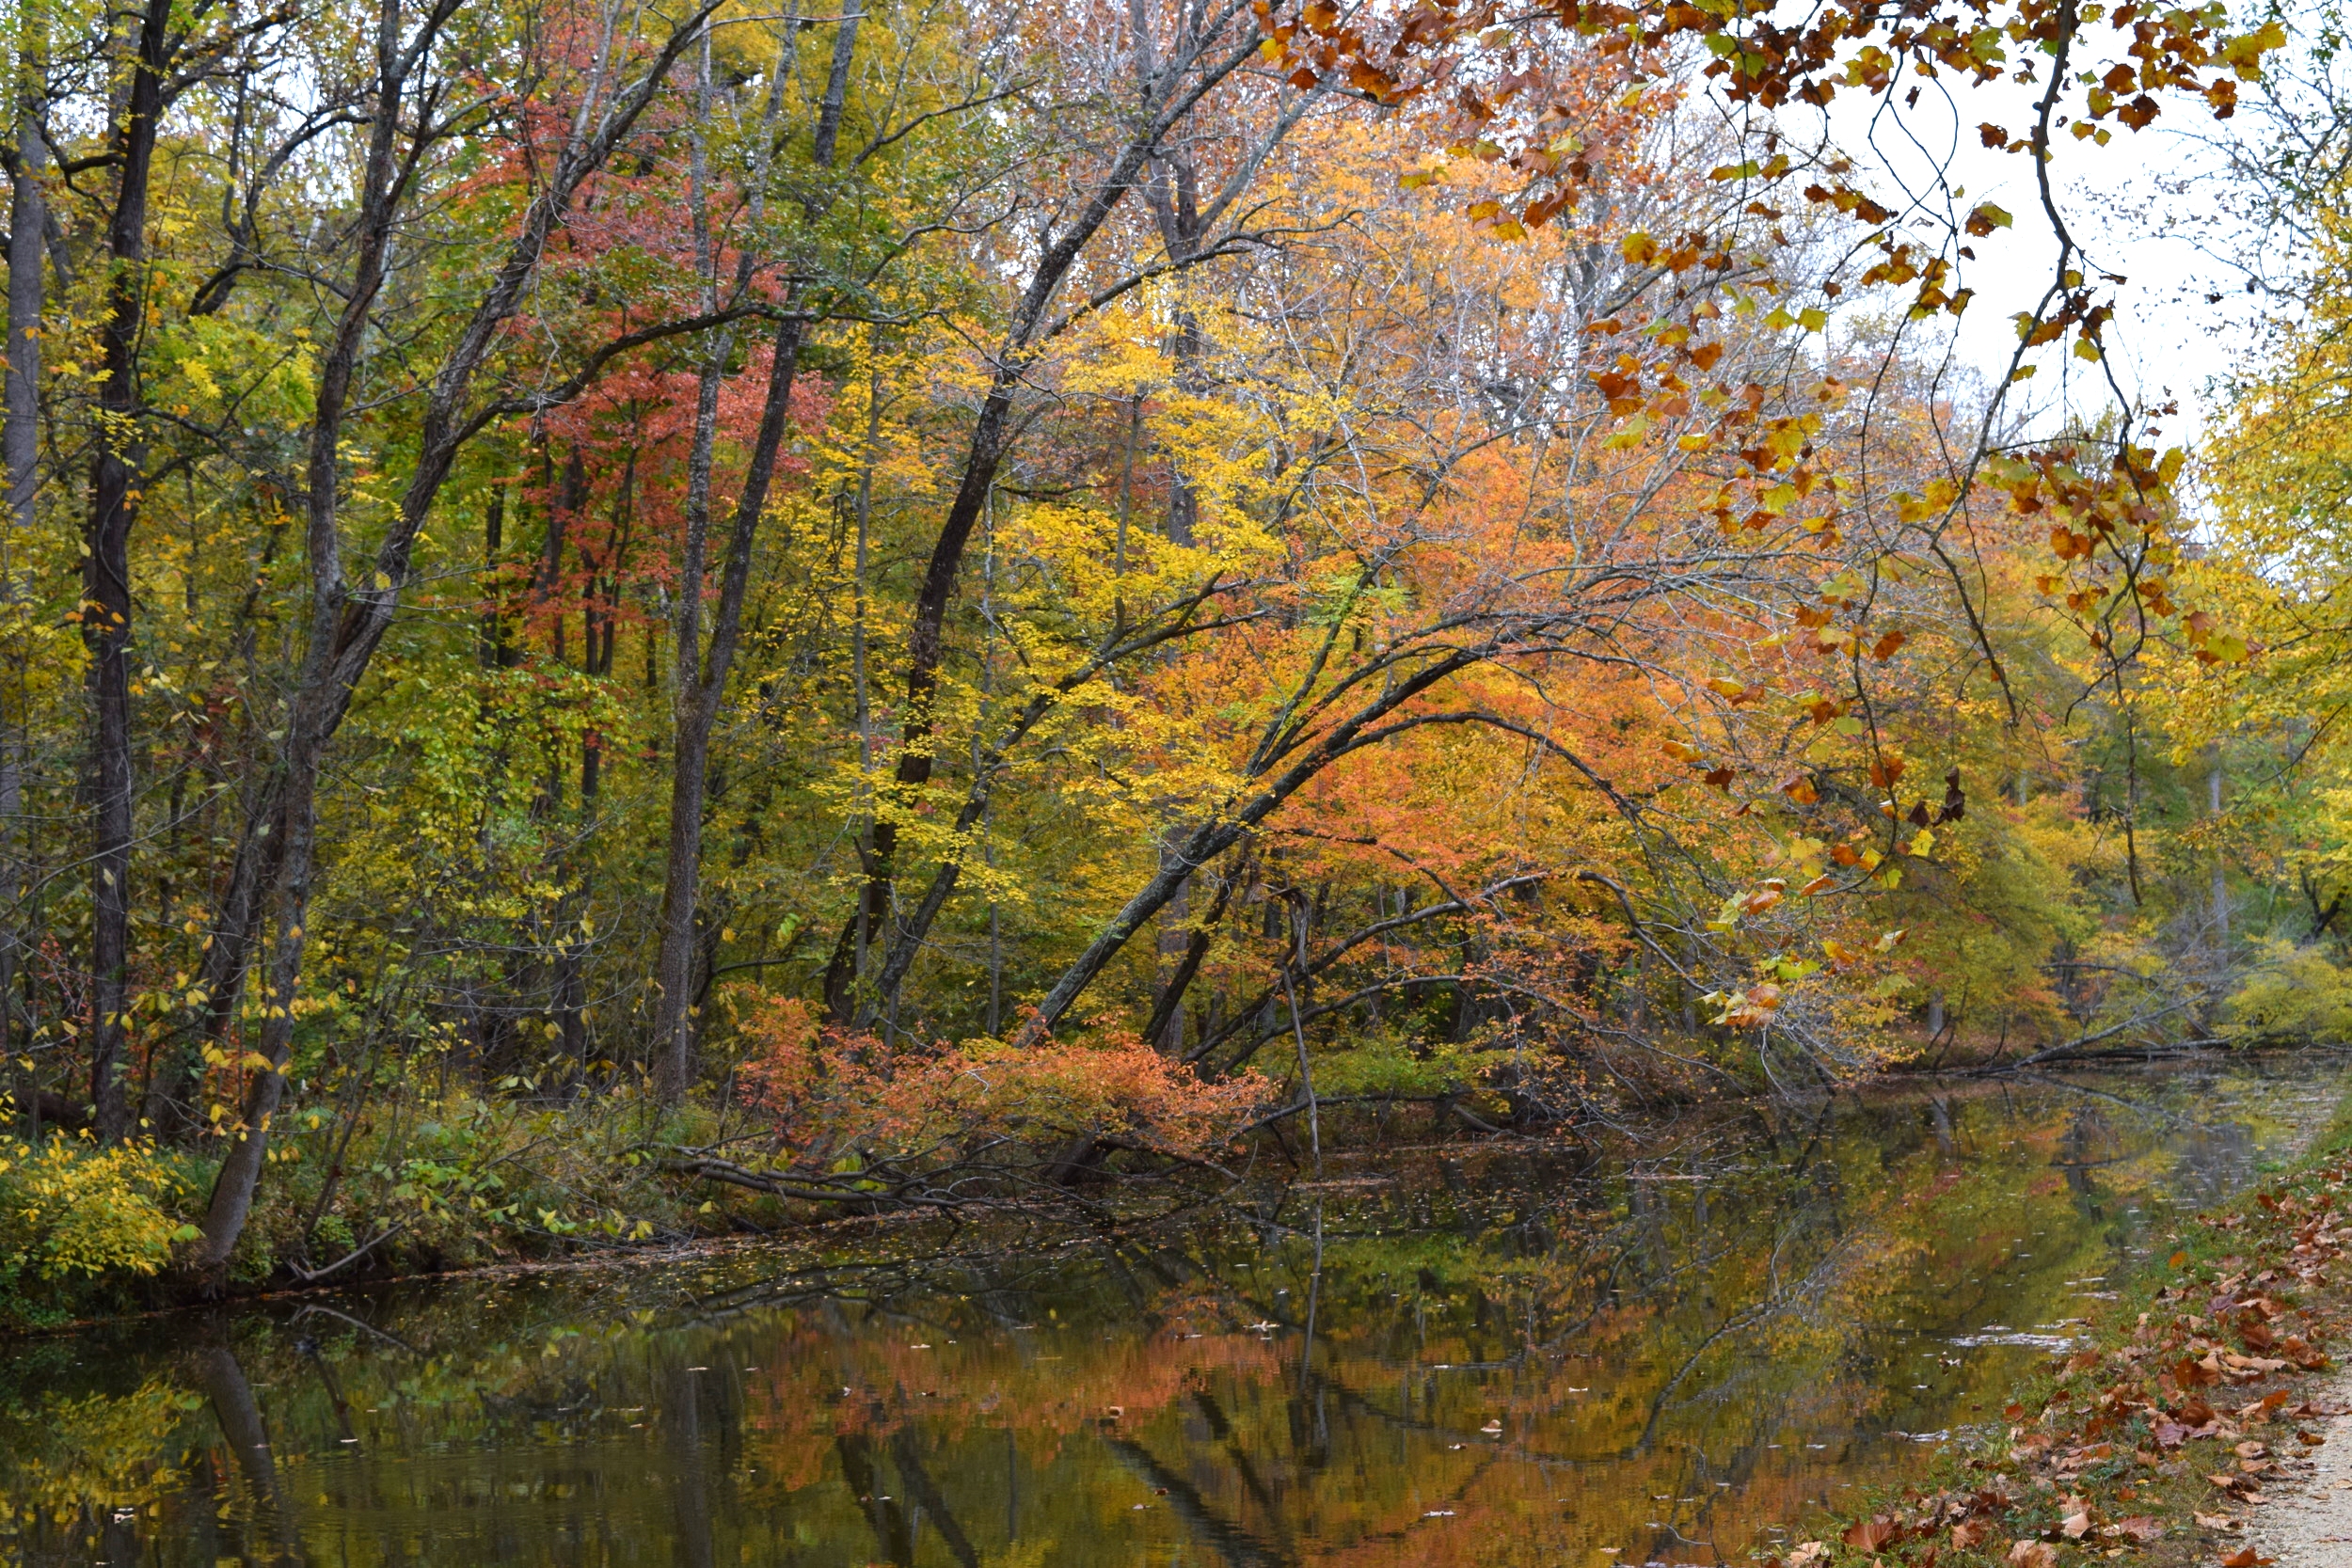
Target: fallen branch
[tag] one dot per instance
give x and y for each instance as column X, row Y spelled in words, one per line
column 711, row 1168
column 2074, row 1046
column 311, row 1277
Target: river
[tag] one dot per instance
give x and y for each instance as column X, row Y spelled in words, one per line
column 1670, row 1349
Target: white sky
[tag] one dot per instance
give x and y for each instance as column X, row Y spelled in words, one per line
column 2136, row 207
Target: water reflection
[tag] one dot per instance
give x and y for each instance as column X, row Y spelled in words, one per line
column 1557, row 1356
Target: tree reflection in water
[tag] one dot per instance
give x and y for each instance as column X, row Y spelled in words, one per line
column 1527, row 1353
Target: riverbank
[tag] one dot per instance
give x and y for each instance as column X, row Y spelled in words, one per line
column 2186, row 1421
column 1512, row 1353
column 469, row 1186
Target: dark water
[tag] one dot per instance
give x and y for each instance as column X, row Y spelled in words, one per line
column 1670, row 1353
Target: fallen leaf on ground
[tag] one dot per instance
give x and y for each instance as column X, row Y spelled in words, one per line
column 1869, row 1535
column 2033, row 1554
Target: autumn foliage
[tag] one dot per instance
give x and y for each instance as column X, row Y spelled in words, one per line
column 898, row 1112
column 1141, row 573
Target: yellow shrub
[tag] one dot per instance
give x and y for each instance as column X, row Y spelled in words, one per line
column 69, row 1207
column 2293, row 993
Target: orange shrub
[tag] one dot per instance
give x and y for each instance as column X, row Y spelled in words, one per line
column 837, row 1096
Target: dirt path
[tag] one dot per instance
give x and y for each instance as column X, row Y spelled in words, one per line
column 2307, row 1523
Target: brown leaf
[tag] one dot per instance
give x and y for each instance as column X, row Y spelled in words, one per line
column 2139, row 1527
column 2216, row 1521
column 2244, row 1557
column 2076, row 1525
column 1955, row 802
column 1968, row 1532
column 2032, row 1554
column 1872, row 1536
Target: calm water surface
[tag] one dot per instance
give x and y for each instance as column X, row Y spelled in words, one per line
column 1672, row 1352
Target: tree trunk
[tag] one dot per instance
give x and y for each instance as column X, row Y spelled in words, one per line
column 107, row 580
column 2220, row 862
column 701, row 686
column 171, row 1086
column 702, row 678
column 20, row 449
column 597, row 592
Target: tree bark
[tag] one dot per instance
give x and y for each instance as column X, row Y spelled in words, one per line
column 701, row 679
column 106, row 579
column 702, row 684
column 28, row 224
column 19, row 449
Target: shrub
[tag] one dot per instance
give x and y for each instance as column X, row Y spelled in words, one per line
column 921, row 1107
column 69, row 1207
column 2294, row 993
